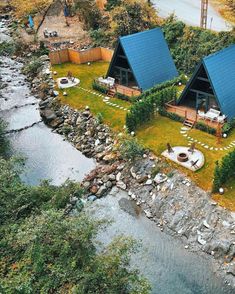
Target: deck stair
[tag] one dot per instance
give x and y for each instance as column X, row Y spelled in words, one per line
column 189, row 123
column 111, row 92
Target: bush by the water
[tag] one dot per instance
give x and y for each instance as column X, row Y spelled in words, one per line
column 33, row 67
column 224, row 171
column 7, row 48
column 43, row 249
column 130, row 149
column 4, row 143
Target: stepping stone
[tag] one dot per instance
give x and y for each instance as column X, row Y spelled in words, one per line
column 212, row 148
column 185, row 129
column 216, row 149
column 221, row 149
column 203, row 144
column 185, row 135
column 182, row 132
column 206, row 146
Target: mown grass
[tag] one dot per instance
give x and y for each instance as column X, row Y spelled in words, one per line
column 160, row 131
column 154, row 134
column 78, row 98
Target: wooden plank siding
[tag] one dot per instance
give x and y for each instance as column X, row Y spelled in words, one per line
column 80, row 57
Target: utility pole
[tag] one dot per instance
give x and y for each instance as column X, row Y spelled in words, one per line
column 204, row 12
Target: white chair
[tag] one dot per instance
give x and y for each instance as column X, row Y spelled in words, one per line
column 221, row 118
column 212, row 114
column 201, row 114
column 111, row 81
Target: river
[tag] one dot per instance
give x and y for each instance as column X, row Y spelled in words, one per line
column 189, row 11
column 48, row 155
column 163, row 259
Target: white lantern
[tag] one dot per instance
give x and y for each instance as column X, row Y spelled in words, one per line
column 132, row 134
column 225, row 135
column 221, row 191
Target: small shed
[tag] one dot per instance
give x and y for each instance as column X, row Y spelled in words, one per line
column 142, row 60
column 213, row 84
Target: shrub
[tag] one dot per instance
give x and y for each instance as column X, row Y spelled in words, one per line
column 99, row 88
column 130, row 149
column 100, row 118
column 123, row 97
column 33, row 67
column 171, row 115
column 143, row 110
column 4, row 143
column 224, row 171
column 227, row 127
column 7, row 48
column 203, row 127
column 182, row 78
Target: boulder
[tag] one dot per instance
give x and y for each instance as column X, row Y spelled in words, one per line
column 121, row 185
column 102, row 190
column 160, row 178
column 48, row 115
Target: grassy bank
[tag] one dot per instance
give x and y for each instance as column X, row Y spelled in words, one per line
column 155, row 134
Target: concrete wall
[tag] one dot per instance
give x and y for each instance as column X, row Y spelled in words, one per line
column 79, row 57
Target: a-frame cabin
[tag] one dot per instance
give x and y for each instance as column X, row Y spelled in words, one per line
column 212, row 85
column 142, row 60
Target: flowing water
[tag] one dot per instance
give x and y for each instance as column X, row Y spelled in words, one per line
column 47, row 155
column 189, row 11
column 163, row 260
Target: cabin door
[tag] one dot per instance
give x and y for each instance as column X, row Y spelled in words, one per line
column 202, row 102
column 124, row 77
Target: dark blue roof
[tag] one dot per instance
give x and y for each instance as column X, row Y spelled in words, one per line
column 220, row 68
column 149, row 58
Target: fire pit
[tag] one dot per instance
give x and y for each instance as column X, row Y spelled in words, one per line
column 182, row 157
column 64, row 81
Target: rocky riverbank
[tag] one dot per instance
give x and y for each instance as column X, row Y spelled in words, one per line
column 169, row 199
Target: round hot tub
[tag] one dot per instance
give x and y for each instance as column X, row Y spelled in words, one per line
column 182, row 157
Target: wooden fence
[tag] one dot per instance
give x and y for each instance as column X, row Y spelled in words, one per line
column 82, row 56
column 101, row 3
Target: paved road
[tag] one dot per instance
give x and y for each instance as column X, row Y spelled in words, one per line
column 189, row 12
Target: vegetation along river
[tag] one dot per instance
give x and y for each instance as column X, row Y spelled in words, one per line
column 162, row 259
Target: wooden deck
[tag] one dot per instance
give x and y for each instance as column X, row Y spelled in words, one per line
column 127, row 91
column 191, row 114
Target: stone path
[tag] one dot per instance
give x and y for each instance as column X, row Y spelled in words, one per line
column 184, row 132
column 106, row 99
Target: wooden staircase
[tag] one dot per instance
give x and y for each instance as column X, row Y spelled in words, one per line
column 189, row 123
column 111, row 92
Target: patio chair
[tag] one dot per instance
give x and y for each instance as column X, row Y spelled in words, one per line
column 221, row 119
column 194, row 164
column 111, row 81
column 192, row 148
column 212, row 114
column 201, row 114
column 169, row 148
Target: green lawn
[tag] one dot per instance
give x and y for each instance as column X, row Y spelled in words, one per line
column 78, row 98
column 155, row 134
